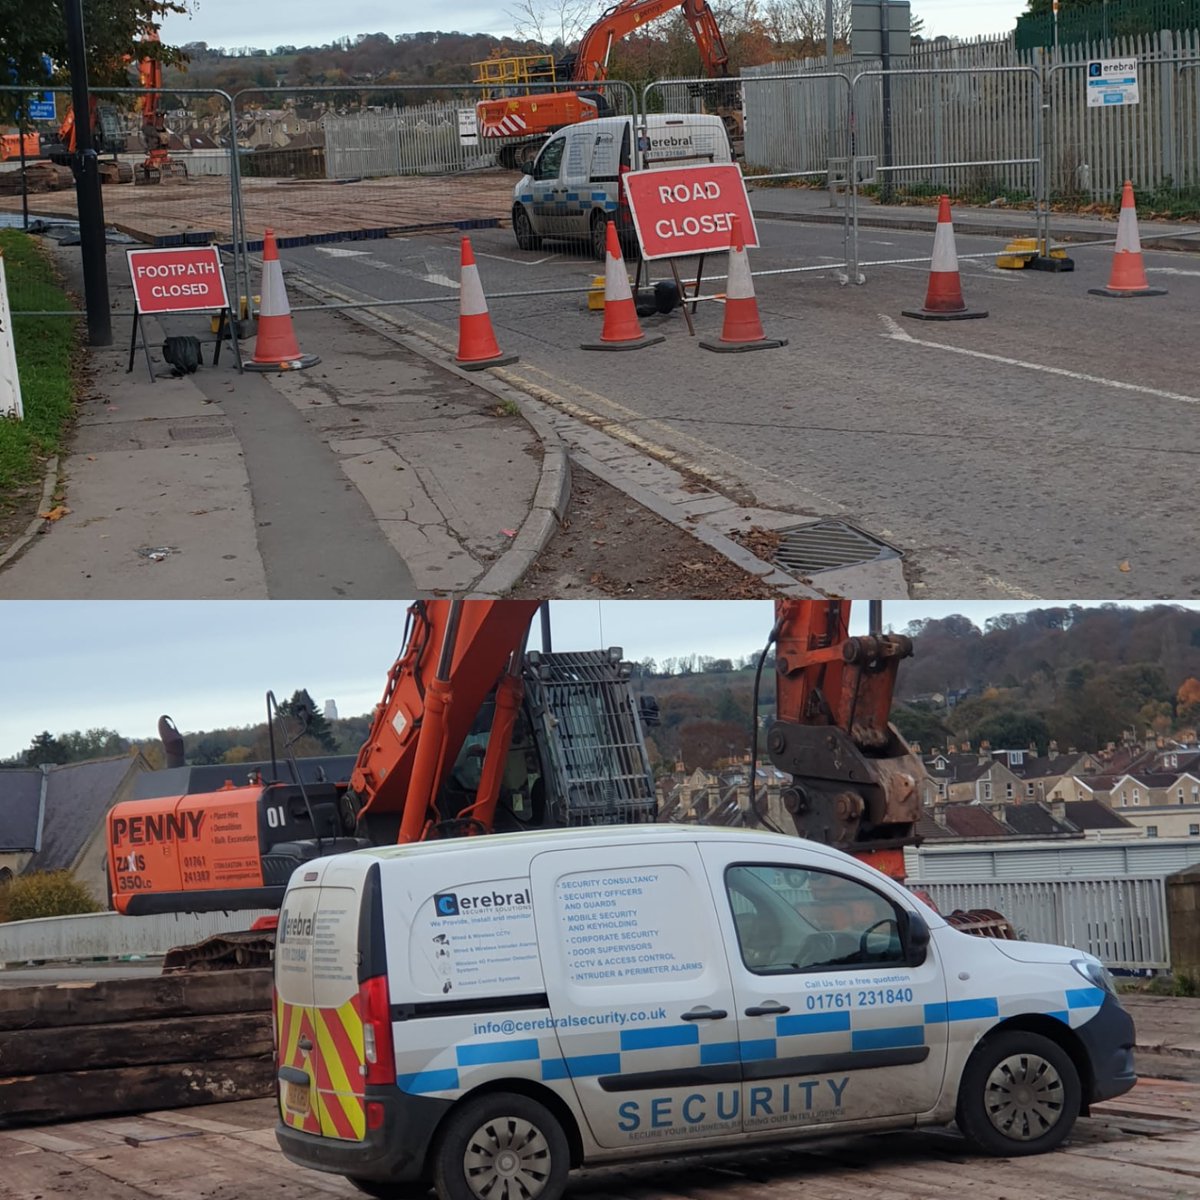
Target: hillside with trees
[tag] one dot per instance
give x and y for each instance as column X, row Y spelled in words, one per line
column 1082, row 677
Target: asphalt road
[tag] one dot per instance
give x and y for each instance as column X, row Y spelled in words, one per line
column 1046, row 451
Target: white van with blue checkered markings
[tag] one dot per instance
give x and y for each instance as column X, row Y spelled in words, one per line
column 574, row 186
column 517, row 1005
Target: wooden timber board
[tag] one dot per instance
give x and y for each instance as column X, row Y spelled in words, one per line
column 135, row 1043
column 294, row 209
column 106, row 1001
column 67, row 1095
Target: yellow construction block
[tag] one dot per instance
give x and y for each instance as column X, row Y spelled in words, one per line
column 596, row 294
column 1018, row 253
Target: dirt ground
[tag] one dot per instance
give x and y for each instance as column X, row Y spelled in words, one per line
column 611, row 546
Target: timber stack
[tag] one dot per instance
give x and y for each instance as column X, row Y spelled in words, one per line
column 75, row 1050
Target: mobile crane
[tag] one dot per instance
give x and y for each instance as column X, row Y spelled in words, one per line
column 524, row 106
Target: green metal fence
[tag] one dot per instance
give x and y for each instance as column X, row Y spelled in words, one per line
column 1083, row 22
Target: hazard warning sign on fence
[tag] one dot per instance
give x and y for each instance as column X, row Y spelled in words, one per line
column 689, row 210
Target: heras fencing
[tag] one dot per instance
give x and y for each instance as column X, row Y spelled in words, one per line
column 166, row 163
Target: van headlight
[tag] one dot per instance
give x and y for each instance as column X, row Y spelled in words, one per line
column 1096, row 973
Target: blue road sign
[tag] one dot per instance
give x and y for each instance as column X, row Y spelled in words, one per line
column 41, row 109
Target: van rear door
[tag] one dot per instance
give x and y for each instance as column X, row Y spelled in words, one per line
column 318, row 1015
column 639, row 990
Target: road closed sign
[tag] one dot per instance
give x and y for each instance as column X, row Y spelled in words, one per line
column 689, row 210
column 178, row 280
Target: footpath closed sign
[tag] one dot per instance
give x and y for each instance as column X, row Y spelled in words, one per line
column 178, row 280
column 689, row 210
column 1112, row 81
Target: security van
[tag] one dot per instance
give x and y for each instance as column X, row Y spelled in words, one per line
column 573, row 187
column 481, row 1015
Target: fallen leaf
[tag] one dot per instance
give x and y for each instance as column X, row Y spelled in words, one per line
column 55, row 514
column 1125, row 567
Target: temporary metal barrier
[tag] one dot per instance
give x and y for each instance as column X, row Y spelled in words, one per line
column 111, row 935
column 209, row 212
column 800, row 133
column 400, row 165
column 967, row 130
column 1123, row 921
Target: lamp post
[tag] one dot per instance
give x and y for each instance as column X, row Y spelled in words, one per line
column 87, row 185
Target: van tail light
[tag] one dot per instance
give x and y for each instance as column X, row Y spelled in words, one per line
column 275, row 1021
column 622, row 197
column 375, row 1007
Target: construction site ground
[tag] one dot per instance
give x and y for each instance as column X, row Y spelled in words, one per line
column 294, row 208
column 1146, row 1143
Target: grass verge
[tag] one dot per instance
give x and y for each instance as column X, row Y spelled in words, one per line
column 45, row 349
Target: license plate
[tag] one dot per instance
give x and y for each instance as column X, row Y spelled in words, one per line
column 295, row 1097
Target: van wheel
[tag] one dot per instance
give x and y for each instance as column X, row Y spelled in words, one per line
column 1019, row 1094
column 523, row 228
column 411, row 1189
column 599, row 236
column 501, row 1146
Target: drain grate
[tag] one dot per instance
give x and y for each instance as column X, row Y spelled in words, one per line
column 826, row 545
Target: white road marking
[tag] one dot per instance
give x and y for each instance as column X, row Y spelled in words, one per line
column 338, row 252
column 440, row 281
column 1170, row 271
column 900, row 335
column 520, row 262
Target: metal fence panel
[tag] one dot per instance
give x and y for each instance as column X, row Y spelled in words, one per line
column 1123, row 922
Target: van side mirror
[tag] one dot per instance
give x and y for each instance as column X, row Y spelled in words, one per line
column 525, row 166
column 916, row 939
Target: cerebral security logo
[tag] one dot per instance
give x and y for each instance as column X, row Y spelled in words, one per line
column 446, row 904
column 1094, row 70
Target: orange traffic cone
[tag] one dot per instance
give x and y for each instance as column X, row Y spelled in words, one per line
column 944, row 298
column 1128, row 276
column 622, row 330
column 742, row 329
column 477, row 345
column 276, row 348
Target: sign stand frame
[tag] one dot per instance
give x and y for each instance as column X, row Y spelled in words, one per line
column 681, row 287
column 224, row 321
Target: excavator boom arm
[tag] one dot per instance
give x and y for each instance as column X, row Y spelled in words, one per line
column 454, row 655
column 855, row 782
column 591, row 59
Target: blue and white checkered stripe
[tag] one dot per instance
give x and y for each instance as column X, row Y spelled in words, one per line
column 469, row 1064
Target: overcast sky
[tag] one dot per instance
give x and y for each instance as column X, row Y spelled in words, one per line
column 271, row 23
column 67, row 665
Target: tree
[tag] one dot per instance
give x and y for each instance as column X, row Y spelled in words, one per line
column 45, row 749
column 1014, row 730
column 554, row 23
column 316, row 727
column 114, row 30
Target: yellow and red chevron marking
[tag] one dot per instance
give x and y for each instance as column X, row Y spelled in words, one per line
column 292, row 1021
column 339, row 1075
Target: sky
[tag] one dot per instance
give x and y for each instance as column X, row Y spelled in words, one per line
column 67, row 665
column 271, row 23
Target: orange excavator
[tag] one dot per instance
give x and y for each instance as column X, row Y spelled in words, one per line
column 158, row 164
column 474, row 735
column 108, row 135
column 523, row 102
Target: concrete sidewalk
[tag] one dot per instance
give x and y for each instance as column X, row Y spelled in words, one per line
column 373, row 475
column 812, row 205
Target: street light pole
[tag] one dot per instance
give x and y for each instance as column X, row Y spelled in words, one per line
column 87, row 185
column 885, row 187
column 831, row 144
